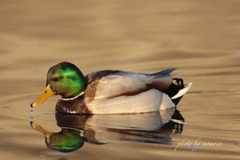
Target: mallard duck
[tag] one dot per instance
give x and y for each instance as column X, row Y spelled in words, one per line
column 110, row 91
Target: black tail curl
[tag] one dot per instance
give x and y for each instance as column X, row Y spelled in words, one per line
column 174, row 88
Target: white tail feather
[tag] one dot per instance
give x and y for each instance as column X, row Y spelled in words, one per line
column 179, row 121
column 182, row 91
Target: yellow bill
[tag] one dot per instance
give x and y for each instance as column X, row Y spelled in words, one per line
column 40, row 129
column 45, row 95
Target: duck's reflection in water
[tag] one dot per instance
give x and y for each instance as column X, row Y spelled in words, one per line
column 155, row 127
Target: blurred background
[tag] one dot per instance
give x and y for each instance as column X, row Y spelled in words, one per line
column 129, row 35
column 201, row 38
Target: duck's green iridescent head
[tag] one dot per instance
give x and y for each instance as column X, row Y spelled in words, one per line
column 67, row 140
column 62, row 79
column 65, row 79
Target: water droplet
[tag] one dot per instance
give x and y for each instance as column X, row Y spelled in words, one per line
column 31, row 111
column 91, row 18
column 1, row 128
column 111, row 147
column 6, row 107
column 30, row 20
column 205, row 91
column 238, row 58
column 224, row 26
column 46, row 113
column 42, row 45
column 236, row 144
column 31, row 116
column 169, row 45
column 128, row 147
column 42, row 156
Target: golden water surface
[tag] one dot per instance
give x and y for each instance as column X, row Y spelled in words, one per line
column 200, row 38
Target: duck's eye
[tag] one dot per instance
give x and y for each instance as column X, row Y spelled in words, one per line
column 58, row 78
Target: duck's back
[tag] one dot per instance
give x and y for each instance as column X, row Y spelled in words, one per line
column 124, row 92
column 116, row 83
